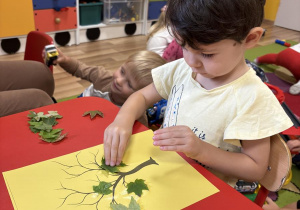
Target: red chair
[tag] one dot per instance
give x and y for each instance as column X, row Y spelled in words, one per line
column 35, row 44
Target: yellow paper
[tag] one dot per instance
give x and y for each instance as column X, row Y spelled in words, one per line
column 67, row 182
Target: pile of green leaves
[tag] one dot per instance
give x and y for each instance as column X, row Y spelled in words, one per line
column 43, row 124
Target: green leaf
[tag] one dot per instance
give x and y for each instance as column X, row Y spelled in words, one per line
column 93, row 113
column 137, row 187
column 114, row 206
column 33, row 129
column 50, row 121
column 61, row 137
column 53, row 114
column 103, row 188
column 133, row 205
column 40, row 126
column 31, row 115
column 39, row 116
column 44, row 127
column 111, row 169
column 51, row 136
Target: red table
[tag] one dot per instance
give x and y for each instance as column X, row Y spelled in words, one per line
column 20, row 147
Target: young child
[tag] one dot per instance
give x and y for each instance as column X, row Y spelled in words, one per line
column 219, row 112
column 159, row 37
column 117, row 86
column 160, row 40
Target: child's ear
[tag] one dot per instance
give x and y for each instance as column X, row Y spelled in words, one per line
column 253, row 37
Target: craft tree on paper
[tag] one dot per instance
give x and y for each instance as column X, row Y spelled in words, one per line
column 105, row 188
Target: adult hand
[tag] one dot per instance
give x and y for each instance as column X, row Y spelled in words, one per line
column 178, row 138
column 116, row 138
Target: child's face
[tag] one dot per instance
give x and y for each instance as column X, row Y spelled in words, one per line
column 123, row 84
column 216, row 60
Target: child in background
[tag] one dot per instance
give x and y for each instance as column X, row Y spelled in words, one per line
column 160, row 41
column 173, row 52
column 159, row 37
column 219, row 112
column 117, row 86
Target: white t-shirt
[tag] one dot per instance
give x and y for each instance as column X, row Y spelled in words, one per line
column 159, row 41
column 91, row 91
column 245, row 109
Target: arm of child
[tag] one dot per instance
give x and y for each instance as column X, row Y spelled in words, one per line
column 294, row 145
column 61, row 57
column 250, row 164
column 117, row 134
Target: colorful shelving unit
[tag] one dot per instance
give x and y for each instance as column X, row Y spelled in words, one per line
column 72, row 22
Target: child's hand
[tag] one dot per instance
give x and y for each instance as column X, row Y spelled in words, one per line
column 294, row 145
column 179, row 139
column 61, row 57
column 271, row 205
column 116, row 137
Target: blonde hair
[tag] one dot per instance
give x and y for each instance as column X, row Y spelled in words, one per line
column 144, row 62
column 160, row 24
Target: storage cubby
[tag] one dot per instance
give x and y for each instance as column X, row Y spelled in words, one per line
column 154, row 9
column 90, row 13
column 118, row 11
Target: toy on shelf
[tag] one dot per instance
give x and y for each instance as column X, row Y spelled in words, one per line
column 123, row 12
column 288, row 58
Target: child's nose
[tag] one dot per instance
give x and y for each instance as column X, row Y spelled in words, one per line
column 120, row 81
column 193, row 60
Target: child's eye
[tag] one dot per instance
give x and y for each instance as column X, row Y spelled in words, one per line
column 207, row 55
column 129, row 85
